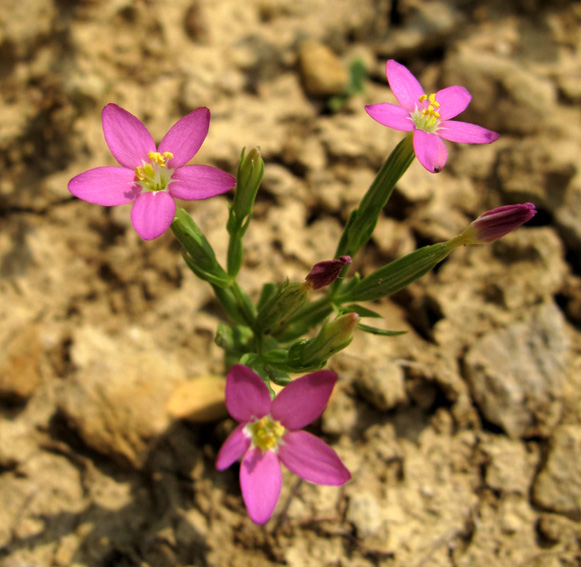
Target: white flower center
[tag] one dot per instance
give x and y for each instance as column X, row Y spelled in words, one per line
column 154, row 175
column 265, row 433
column 426, row 116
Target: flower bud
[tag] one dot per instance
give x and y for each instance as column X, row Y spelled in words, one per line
column 197, row 251
column 250, row 172
column 332, row 338
column 326, row 272
column 280, row 307
column 495, row 224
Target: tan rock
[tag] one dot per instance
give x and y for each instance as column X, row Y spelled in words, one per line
column 322, row 72
column 199, row 400
column 510, row 467
column 517, row 375
column 558, row 486
column 117, row 398
column 19, row 372
column 382, row 386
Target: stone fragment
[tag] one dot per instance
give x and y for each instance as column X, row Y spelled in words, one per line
column 510, row 468
column 117, row 399
column 558, row 486
column 199, row 400
column 322, row 72
column 340, row 415
column 382, row 386
column 544, row 170
column 510, row 97
column 365, row 514
column 517, row 374
column 427, row 26
column 392, row 238
column 19, row 364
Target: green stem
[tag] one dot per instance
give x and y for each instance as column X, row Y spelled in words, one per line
column 244, row 304
column 363, row 220
column 306, row 318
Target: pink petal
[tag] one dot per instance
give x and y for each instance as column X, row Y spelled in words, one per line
column 466, row 133
column 391, row 115
column 405, row 86
column 247, row 396
column 453, row 101
column 106, row 186
column 430, row 150
column 304, row 399
column 186, row 136
column 260, row 481
column 194, row 182
column 152, row 214
column 312, row 459
column 127, row 137
column 234, row 447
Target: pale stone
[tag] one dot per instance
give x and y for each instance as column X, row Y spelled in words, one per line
column 382, row 386
column 322, row 72
column 118, row 396
column 19, row 364
column 199, row 400
column 510, row 467
column 517, row 375
column 558, row 486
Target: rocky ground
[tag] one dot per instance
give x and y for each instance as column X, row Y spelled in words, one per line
column 463, row 436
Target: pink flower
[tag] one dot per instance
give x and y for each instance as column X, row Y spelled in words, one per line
column 151, row 176
column 427, row 116
column 269, row 434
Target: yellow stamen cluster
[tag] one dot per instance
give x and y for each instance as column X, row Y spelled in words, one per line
column 144, row 172
column 150, row 174
column 433, row 105
column 266, row 433
column 160, row 159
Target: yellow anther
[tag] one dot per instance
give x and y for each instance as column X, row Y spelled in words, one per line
column 433, row 104
column 144, row 172
column 431, row 110
column 432, row 99
column 160, row 159
column 266, row 433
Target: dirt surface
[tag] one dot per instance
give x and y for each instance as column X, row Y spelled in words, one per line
column 463, row 436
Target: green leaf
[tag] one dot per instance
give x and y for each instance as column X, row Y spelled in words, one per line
column 277, row 376
column 233, row 338
column 381, row 332
column 268, row 290
column 256, row 363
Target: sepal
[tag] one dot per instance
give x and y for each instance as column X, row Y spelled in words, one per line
column 197, row 252
column 312, row 354
column 278, row 309
column 398, row 274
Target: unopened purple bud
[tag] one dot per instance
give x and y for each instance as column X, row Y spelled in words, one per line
column 326, row 272
column 495, row 224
